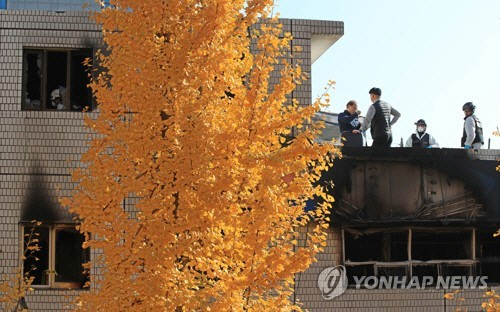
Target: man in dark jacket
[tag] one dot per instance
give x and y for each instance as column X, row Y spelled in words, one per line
column 378, row 119
column 349, row 125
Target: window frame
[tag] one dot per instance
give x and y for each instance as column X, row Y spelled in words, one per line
column 51, row 271
column 43, row 76
column 472, row 263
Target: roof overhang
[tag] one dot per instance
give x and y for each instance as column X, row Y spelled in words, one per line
column 321, row 43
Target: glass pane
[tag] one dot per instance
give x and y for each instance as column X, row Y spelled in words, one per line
column 70, row 257
column 36, row 263
column 33, row 80
column 56, row 80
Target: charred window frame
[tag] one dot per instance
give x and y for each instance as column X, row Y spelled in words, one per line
column 414, row 251
column 488, row 252
column 47, row 70
column 60, row 258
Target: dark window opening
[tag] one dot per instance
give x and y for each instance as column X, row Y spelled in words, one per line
column 59, row 259
column 33, row 78
column 488, row 252
column 56, row 69
column 429, row 245
column 36, row 262
column 376, row 247
column 457, row 270
column 431, row 252
column 422, row 270
column 70, row 257
column 388, row 271
column 358, row 271
column 56, row 80
column 81, row 94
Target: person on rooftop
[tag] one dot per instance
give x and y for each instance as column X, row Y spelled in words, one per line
column 421, row 138
column 349, row 125
column 378, row 119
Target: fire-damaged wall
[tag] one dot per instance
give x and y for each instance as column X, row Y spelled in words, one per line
column 408, row 214
column 409, row 185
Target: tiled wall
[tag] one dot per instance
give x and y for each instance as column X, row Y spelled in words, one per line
column 372, row 300
column 37, row 148
column 52, row 5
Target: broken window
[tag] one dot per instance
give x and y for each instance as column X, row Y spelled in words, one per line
column 418, row 252
column 375, row 252
column 59, row 257
column 488, row 253
column 56, row 80
column 375, row 245
column 440, row 244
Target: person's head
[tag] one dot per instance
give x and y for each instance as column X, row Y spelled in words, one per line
column 421, row 126
column 468, row 108
column 351, row 106
column 375, row 94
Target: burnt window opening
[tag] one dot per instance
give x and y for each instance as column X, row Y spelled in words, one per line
column 36, row 263
column 58, row 261
column 56, row 80
column 444, row 245
column 419, row 252
column 488, row 252
column 378, row 246
column 358, row 270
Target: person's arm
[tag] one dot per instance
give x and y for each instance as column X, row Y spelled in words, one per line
column 368, row 118
column 433, row 142
column 409, row 142
column 396, row 115
column 348, row 121
column 470, row 131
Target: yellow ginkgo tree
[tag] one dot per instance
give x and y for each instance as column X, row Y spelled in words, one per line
column 218, row 162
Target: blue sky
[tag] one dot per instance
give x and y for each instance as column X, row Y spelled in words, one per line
column 428, row 57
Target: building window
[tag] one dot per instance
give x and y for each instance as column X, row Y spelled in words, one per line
column 418, row 252
column 58, row 261
column 56, row 80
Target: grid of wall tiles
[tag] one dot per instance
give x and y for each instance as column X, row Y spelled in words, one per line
column 52, row 5
column 37, row 148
